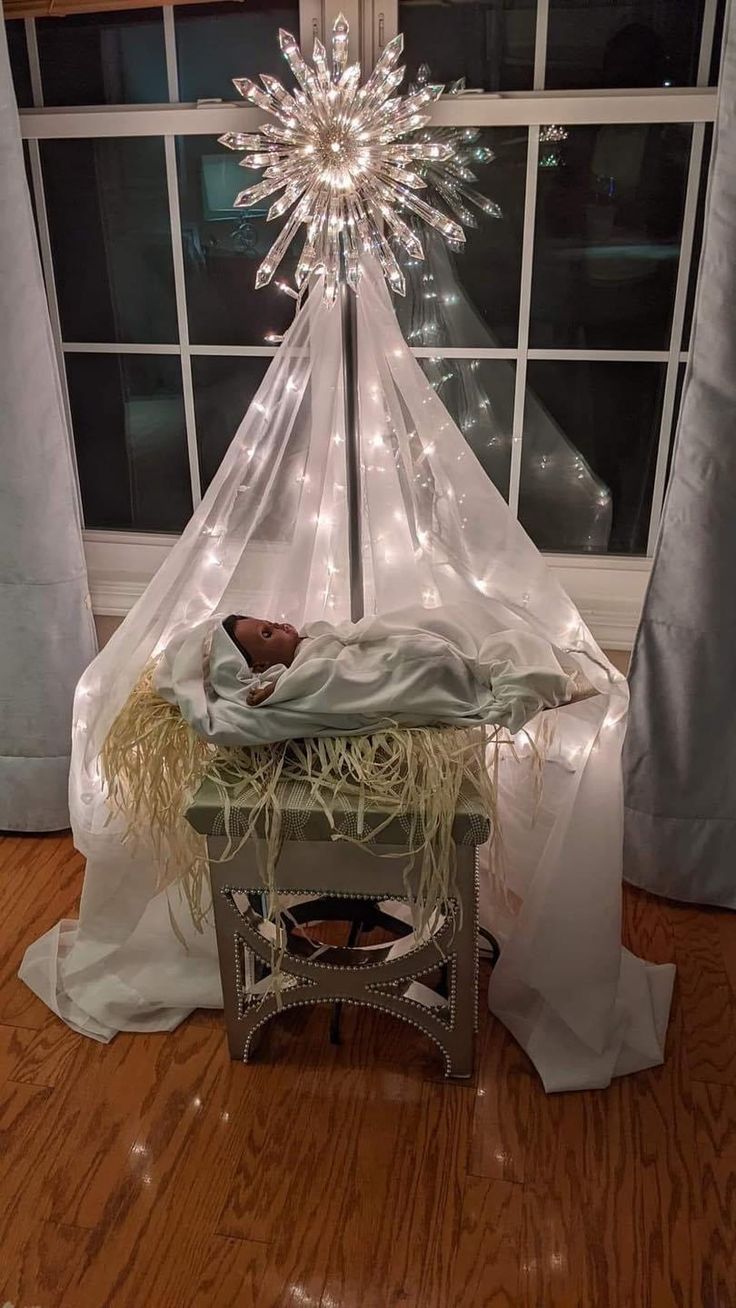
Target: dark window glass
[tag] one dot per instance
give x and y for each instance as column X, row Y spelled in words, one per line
column 679, row 391
column 19, row 67
column 692, row 285
column 470, row 296
column 111, row 239
column 490, row 44
column 29, row 183
column 109, row 58
column 591, row 432
column 623, row 43
column 223, row 390
column 716, row 52
column 223, row 248
column 130, row 435
column 607, row 244
column 479, row 395
column 216, row 42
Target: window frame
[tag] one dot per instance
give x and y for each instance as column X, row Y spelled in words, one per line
column 608, row 589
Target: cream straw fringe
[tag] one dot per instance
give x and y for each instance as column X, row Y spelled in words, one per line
column 154, row 763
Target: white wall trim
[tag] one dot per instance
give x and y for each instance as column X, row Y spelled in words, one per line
column 608, row 590
column 510, row 108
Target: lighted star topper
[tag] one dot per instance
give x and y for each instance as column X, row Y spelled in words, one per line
column 339, row 155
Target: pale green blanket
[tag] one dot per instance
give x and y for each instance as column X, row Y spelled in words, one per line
column 448, row 666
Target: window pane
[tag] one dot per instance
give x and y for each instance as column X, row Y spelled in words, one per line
column 591, row 432
column 109, row 58
column 490, row 43
column 697, row 250
column 110, row 234
column 223, row 390
column 223, row 248
column 18, row 54
column 29, row 184
column 612, row 43
column 479, row 395
column 471, row 296
column 128, row 419
column 607, row 244
column 679, row 389
column 216, row 42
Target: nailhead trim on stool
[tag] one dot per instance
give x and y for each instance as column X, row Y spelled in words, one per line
column 376, row 985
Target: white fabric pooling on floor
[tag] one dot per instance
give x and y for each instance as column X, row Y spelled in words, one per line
column 270, row 538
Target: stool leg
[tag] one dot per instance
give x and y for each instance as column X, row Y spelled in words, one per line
column 356, row 927
column 465, row 950
column 228, row 945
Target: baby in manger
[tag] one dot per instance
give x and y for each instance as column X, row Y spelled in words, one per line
column 248, row 681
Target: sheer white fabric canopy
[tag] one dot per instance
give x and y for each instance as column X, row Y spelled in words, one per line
column 270, row 538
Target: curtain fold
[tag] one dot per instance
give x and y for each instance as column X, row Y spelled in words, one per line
column 680, row 752
column 46, row 629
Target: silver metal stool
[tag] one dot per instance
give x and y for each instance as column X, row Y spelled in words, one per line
column 354, row 881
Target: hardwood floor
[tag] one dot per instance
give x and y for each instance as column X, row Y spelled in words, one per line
column 154, row 1173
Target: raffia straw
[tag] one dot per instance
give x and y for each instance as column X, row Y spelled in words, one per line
column 154, row 763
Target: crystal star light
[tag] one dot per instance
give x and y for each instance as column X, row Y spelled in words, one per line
column 451, row 181
column 339, row 154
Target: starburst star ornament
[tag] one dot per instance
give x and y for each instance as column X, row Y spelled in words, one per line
column 339, row 154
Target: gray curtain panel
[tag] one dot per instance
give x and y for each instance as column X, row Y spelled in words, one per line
column 46, row 628
column 680, row 752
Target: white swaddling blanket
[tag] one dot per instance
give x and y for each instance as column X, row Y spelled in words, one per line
column 450, row 666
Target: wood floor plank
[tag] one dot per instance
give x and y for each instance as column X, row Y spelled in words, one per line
column 647, row 926
column 715, row 1117
column 49, row 1055
column 486, row 1271
column 708, row 1000
column 120, row 1149
column 232, row 1275
column 390, row 1232
column 154, row 1171
column 41, row 878
column 14, row 1044
column 505, row 1081
column 45, row 1266
column 727, row 935
column 614, row 1183
column 26, row 1136
column 558, row 1266
column 373, row 1218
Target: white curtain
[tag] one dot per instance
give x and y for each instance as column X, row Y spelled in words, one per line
column 46, row 629
column 271, row 539
column 680, row 756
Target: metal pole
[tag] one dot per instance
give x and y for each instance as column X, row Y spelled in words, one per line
column 352, row 451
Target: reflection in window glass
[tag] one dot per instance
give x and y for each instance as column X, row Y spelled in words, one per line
column 111, row 239
column 623, row 43
column 216, row 42
column 223, row 390
column 19, row 67
column 470, row 296
column 107, row 58
column 607, row 243
column 479, row 395
column 223, row 248
column 130, row 436
column 490, row 43
column 591, row 433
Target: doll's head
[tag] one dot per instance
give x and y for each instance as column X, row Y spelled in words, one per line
column 262, row 643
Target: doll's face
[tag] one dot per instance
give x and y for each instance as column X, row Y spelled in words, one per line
column 266, row 643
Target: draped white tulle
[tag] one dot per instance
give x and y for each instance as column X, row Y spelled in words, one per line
column 270, row 538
